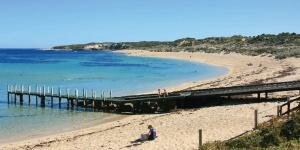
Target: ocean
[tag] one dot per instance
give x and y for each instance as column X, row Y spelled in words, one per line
column 93, row 70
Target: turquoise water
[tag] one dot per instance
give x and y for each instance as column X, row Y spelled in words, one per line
column 100, row 71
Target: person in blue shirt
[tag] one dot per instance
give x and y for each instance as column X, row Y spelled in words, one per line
column 152, row 133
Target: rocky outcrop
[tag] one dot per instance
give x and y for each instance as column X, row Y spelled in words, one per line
column 94, row 46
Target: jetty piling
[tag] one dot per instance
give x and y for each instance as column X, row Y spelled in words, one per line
column 29, row 94
column 76, row 93
column 21, row 95
column 103, row 94
column 68, row 93
column 8, row 95
column 76, row 96
column 36, row 97
column 59, row 97
column 52, row 92
column 44, row 90
column 83, row 92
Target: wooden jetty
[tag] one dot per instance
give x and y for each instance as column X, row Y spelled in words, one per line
column 144, row 103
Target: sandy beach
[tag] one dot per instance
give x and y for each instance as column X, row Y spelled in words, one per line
column 179, row 129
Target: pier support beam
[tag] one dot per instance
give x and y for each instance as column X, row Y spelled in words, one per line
column 21, row 99
column 29, row 99
column 68, row 102
column 266, row 95
column 52, row 96
column 59, row 102
column 43, row 99
column 51, row 101
column 101, row 105
column 8, row 97
column 36, row 100
column 258, row 95
column 29, row 92
column 72, row 103
column 15, row 100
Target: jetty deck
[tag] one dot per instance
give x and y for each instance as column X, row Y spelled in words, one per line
column 149, row 103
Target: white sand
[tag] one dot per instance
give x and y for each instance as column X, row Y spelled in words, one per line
column 179, row 130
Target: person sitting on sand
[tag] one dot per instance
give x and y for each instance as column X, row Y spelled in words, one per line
column 149, row 136
column 152, row 133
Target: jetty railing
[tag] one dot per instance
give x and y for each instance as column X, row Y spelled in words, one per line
column 289, row 107
column 95, row 99
column 249, row 89
column 138, row 103
column 42, row 92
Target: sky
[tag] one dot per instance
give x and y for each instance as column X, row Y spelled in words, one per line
column 46, row 23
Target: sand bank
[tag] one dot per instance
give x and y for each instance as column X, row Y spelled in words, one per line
column 179, row 130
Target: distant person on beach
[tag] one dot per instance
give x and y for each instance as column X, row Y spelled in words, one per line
column 158, row 92
column 152, row 133
column 165, row 93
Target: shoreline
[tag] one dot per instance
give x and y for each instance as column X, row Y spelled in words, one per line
column 185, row 85
column 120, row 133
column 252, row 68
column 111, row 118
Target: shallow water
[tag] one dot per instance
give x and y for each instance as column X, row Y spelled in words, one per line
column 101, row 71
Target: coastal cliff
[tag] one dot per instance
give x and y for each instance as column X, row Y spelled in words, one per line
column 92, row 46
column 281, row 46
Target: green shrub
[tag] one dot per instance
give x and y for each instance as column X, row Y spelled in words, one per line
column 291, row 128
column 270, row 137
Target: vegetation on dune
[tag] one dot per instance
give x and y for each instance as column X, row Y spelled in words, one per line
column 107, row 45
column 281, row 46
column 73, row 47
column 278, row 134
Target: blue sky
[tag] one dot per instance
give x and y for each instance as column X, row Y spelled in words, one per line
column 45, row 23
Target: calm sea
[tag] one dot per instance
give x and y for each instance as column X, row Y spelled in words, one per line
column 100, row 71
